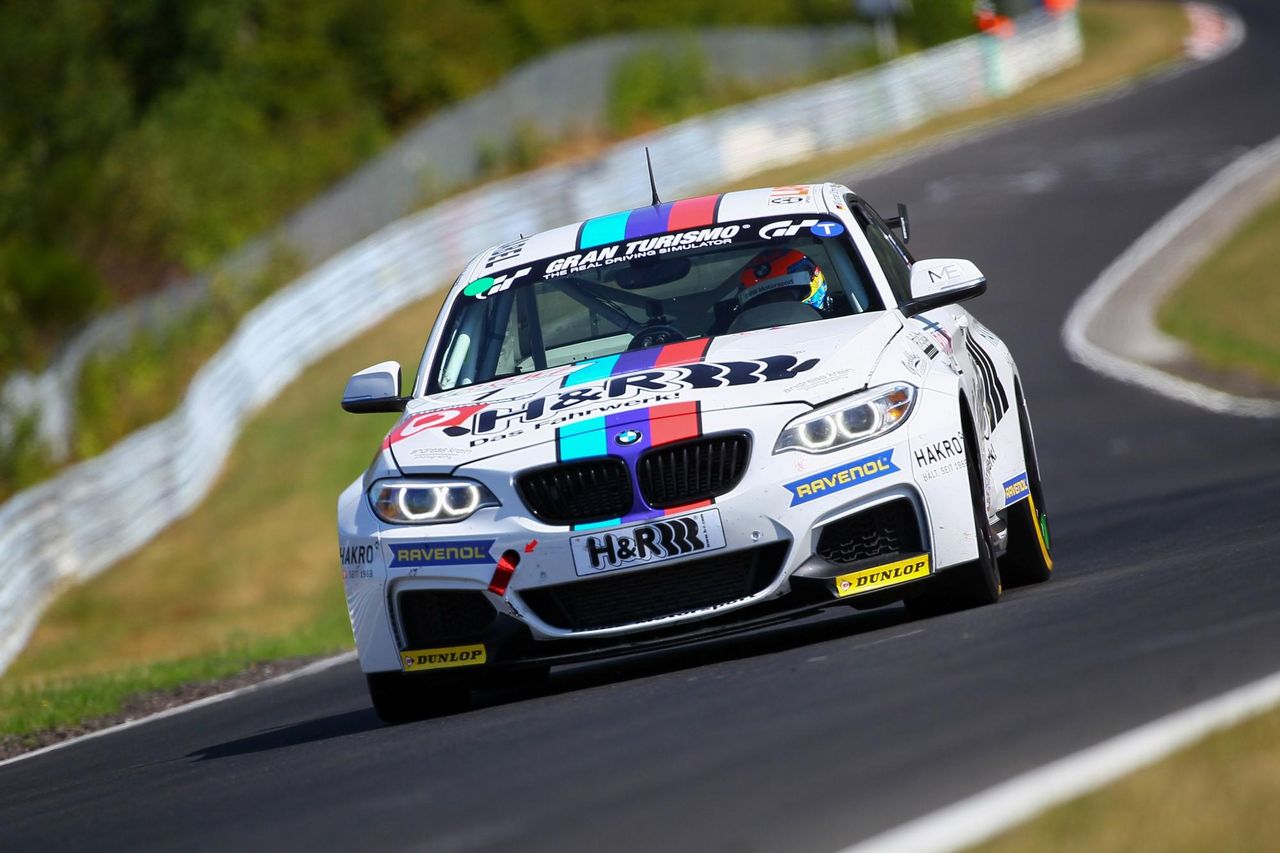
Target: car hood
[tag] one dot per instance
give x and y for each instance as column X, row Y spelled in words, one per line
column 800, row 364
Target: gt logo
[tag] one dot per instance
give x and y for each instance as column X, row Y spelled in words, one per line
column 483, row 288
column 785, row 228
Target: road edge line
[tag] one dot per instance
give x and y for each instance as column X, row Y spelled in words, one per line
column 1203, row 204
column 984, row 815
column 312, row 668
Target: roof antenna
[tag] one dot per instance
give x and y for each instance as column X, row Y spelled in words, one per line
column 652, row 184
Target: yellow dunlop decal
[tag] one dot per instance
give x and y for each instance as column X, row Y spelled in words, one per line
column 419, row 659
column 879, row 577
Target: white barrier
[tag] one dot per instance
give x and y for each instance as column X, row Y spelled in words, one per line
column 78, row 524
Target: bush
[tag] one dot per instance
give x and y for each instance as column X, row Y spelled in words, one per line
column 936, row 21
column 654, row 87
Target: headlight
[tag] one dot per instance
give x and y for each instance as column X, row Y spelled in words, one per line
column 428, row 501
column 850, row 420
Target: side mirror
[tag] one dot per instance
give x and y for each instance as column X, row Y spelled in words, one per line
column 942, row 281
column 375, row 389
column 901, row 222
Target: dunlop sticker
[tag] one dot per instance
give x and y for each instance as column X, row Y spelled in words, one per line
column 420, row 659
column 880, row 577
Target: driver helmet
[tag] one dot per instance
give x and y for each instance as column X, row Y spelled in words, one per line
column 782, row 275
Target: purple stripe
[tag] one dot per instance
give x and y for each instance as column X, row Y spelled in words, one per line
column 645, row 221
column 634, row 360
column 615, row 423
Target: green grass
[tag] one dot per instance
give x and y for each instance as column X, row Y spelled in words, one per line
column 256, row 561
column 1218, row 794
column 1229, row 308
column 44, row 704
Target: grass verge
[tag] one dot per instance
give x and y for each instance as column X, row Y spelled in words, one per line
column 1227, row 308
column 254, row 566
column 1218, row 794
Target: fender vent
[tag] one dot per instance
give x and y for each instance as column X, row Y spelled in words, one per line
column 889, row 528
column 429, row 617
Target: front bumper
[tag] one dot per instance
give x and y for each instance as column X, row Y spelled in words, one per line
column 770, row 556
column 767, row 572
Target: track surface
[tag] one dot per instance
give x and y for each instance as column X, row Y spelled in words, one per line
column 818, row 734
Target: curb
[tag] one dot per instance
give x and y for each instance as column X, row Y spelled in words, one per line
column 1111, row 329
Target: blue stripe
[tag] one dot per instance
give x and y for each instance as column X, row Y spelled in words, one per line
column 604, row 229
column 601, row 368
column 581, row 439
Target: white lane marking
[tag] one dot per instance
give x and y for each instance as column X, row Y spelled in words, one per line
column 986, row 814
column 301, row 672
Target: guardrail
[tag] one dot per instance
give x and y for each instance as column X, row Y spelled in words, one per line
column 78, row 524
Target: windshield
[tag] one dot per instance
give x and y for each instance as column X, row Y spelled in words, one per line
column 650, row 292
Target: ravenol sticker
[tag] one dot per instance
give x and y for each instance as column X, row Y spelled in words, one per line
column 1016, row 489
column 879, row 577
column 447, row 658
column 459, row 553
column 842, row 477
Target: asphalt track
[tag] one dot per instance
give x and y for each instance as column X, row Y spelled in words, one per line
column 812, row 736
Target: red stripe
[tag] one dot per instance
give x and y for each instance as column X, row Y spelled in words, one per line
column 673, row 422
column 675, row 509
column 692, row 213
column 682, row 352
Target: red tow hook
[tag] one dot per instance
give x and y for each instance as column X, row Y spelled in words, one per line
column 502, row 573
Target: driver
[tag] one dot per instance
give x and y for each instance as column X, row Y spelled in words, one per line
column 782, row 275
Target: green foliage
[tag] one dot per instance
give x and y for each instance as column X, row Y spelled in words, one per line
column 44, row 289
column 24, row 459
column 936, row 21
column 122, row 390
column 143, row 138
column 658, row 87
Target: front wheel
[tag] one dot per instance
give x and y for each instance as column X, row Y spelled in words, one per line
column 399, row 698
column 1029, row 558
column 977, row 582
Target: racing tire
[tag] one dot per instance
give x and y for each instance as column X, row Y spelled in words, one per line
column 976, row 583
column 1029, row 557
column 402, row 699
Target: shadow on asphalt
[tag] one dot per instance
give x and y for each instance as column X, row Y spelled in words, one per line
column 309, row 731
column 831, row 624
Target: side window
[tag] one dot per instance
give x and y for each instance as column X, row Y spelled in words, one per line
column 896, row 266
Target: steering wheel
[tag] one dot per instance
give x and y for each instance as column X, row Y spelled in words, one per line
column 655, row 334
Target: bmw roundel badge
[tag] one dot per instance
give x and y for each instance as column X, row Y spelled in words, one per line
column 627, row 436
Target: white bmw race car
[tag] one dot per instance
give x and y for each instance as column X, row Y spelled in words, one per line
column 680, row 421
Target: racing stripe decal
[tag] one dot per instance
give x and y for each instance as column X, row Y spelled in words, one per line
column 657, row 426
column 604, row 230
column 674, row 422
column 996, row 399
column 683, row 352
column 648, row 221
column 581, row 439
column 601, row 368
column 669, row 355
column 693, row 213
